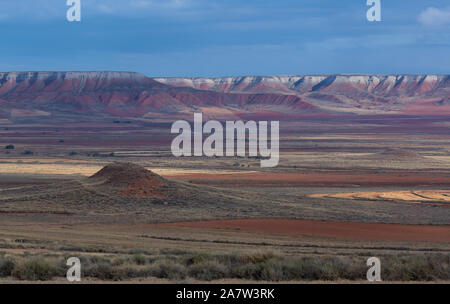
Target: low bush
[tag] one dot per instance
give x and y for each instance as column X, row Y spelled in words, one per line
column 198, row 258
column 168, row 270
column 139, row 259
column 6, row 267
column 208, row 271
column 177, row 266
column 34, row 270
column 105, row 272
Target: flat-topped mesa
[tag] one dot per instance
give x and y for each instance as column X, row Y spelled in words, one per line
column 125, row 94
column 37, row 75
column 382, row 84
column 42, row 83
column 131, row 180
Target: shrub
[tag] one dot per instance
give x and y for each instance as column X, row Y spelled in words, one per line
column 274, row 270
column 139, row 259
column 33, row 270
column 6, row 267
column 248, row 272
column 232, row 258
column 118, row 261
column 208, row 271
column 268, row 267
column 416, row 268
column 167, row 270
column 332, row 269
column 98, row 259
column 135, row 273
column 198, row 258
column 258, row 257
column 105, row 272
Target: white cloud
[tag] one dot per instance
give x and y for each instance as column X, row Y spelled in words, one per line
column 434, row 17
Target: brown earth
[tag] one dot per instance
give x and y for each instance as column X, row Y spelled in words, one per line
column 399, row 153
column 319, row 179
column 3, row 212
column 339, row 230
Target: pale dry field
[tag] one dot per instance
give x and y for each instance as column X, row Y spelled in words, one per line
column 86, row 168
column 413, row 195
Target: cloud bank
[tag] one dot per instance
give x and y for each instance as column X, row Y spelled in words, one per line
column 435, row 17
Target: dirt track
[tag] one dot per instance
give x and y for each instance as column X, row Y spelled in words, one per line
column 340, row 230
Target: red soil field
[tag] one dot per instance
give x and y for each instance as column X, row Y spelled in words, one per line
column 338, row 230
column 313, row 179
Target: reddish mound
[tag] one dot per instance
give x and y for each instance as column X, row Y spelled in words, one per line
column 131, row 180
column 342, row 230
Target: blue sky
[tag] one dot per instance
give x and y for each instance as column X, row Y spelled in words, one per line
column 227, row 37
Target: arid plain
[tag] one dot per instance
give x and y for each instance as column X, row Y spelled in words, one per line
column 86, row 170
column 346, row 189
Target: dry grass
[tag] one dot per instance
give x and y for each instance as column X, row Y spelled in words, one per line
column 67, row 167
column 207, row 267
column 413, row 195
